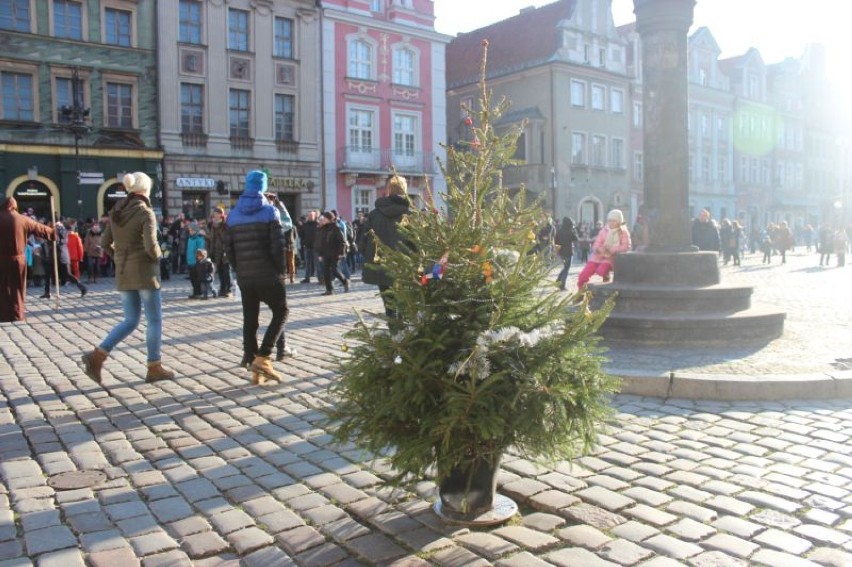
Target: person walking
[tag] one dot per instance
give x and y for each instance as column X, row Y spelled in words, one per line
column 92, row 246
column 254, row 243
column 131, row 238
column 329, row 248
column 15, row 229
column 382, row 223
column 565, row 238
column 64, row 255
column 705, row 233
column 309, row 232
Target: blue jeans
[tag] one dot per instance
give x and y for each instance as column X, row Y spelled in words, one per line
column 132, row 302
column 310, row 265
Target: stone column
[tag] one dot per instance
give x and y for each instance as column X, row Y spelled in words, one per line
column 663, row 26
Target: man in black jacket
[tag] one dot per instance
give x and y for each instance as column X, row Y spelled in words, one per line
column 308, row 234
column 705, row 233
column 255, row 244
column 382, row 223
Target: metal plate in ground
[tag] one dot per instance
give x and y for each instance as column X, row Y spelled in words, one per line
column 73, row 480
column 503, row 509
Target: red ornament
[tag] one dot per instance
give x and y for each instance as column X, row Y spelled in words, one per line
column 468, row 121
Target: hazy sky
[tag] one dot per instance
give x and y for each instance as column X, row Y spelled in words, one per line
column 778, row 28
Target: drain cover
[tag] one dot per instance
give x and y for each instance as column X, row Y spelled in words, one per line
column 75, row 479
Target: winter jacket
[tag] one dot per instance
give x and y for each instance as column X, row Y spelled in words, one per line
column 216, row 244
column 92, row 244
column 131, row 238
column 329, row 243
column 600, row 253
column 705, row 235
column 254, row 242
column 194, row 243
column 566, row 236
column 75, row 247
column 381, row 223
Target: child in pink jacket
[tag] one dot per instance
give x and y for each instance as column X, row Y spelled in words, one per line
column 613, row 239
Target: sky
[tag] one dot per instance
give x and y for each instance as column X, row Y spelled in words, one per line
column 777, row 28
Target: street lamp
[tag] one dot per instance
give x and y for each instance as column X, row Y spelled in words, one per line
column 76, row 114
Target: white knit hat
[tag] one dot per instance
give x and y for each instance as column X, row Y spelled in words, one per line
column 615, row 215
column 138, row 182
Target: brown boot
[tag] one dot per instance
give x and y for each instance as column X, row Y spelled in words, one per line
column 157, row 372
column 94, row 362
column 261, row 369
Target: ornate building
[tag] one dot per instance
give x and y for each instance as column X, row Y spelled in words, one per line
column 238, row 92
column 383, row 94
column 79, row 104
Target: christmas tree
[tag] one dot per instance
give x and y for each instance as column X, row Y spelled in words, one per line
column 485, row 354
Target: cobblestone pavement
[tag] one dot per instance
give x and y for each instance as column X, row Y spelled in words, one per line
column 209, row 470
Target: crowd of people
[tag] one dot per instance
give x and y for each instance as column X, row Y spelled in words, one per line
column 260, row 244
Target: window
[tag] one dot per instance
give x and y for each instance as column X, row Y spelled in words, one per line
column 191, row 108
column 376, row 5
column 361, row 131
column 68, row 19
column 705, row 168
column 239, row 113
column 602, row 56
column 465, row 107
column 720, row 128
column 118, row 27
column 238, row 30
column 616, row 101
column 119, row 105
column 362, row 200
column 17, row 96
column 190, row 21
column 15, row 15
column 705, row 125
column 598, row 94
column 617, row 153
column 637, row 114
column 578, row 148
column 404, row 127
column 702, row 76
column 360, row 59
column 285, row 115
column 638, row 167
column 722, row 165
column 63, row 97
column 403, row 67
column 578, row 93
column 283, row 38
column 598, row 150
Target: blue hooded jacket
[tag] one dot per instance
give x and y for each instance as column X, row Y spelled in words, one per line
column 254, row 236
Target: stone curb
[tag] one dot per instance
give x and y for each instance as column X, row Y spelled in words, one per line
column 730, row 387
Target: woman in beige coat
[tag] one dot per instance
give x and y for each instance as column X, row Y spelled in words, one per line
column 131, row 238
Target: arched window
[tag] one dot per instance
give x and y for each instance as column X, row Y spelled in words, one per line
column 360, row 59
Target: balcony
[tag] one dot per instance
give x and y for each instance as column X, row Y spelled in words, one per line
column 358, row 159
column 287, row 146
column 241, row 143
column 194, row 139
column 535, row 177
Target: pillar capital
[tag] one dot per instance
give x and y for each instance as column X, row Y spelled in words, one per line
column 654, row 16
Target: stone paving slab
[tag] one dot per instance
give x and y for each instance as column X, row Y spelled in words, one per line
column 210, row 470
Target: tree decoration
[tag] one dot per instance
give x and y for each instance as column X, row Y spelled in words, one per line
column 483, row 356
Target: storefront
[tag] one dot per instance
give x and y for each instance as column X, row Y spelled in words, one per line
column 33, row 196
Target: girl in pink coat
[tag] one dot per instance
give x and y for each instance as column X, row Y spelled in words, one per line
column 613, row 239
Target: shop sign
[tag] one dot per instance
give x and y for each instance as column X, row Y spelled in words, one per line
column 291, row 184
column 195, row 182
column 31, row 192
column 91, row 178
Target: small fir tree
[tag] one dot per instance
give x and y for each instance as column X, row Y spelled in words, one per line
column 482, row 356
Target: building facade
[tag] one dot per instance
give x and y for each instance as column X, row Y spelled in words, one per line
column 239, row 82
column 564, row 68
column 79, row 102
column 383, row 93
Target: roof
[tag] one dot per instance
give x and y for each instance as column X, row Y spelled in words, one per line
column 518, row 42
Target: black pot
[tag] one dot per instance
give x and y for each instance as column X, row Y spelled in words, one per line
column 468, row 490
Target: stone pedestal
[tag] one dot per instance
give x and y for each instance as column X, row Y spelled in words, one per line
column 673, row 294
column 677, row 299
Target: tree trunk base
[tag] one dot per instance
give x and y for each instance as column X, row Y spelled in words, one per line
column 502, row 508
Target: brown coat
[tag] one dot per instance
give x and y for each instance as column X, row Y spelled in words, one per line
column 131, row 238
column 14, row 230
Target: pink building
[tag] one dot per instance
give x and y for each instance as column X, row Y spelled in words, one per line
column 383, row 98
